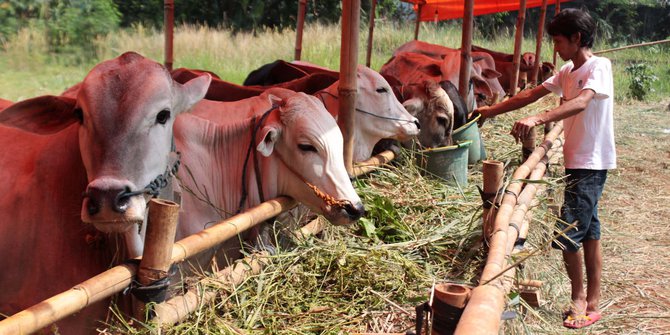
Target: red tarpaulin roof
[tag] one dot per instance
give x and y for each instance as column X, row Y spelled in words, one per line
column 453, row 9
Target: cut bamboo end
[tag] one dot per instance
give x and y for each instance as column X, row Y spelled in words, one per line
column 453, row 294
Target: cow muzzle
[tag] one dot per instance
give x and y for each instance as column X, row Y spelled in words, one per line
column 110, row 205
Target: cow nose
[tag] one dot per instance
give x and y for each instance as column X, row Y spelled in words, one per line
column 354, row 212
column 117, row 199
column 418, row 125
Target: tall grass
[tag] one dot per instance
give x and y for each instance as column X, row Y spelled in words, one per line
column 27, row 68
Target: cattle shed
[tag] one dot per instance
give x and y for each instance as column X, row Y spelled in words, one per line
column 122, row 275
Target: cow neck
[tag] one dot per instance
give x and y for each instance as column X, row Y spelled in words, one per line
column 255, row 124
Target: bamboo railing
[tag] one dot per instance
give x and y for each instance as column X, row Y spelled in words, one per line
column 483, row 311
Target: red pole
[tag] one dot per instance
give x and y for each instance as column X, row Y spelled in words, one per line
column 168, row 19
column 300, row 26
column 368, row 56
column 518, row 38
column 466, row 47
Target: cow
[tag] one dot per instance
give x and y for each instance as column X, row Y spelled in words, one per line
column 281, row 71
column 294, row 140
column 5, row 103
column 483, row 68
column 504, row 64
column 107, row 144
column 378, row 113
column 221, row 90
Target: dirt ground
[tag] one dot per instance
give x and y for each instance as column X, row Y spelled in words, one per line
column 635, row 220
column 636, row 216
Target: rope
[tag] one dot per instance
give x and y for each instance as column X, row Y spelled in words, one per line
column 320, row 93
column 158, row 183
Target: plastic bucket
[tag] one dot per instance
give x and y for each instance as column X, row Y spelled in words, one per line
column 447, row 163
column 470, row 132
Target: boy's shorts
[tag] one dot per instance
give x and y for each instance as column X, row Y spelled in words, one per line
column 580, row 203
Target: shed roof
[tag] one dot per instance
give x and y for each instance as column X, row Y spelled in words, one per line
column 433, row 10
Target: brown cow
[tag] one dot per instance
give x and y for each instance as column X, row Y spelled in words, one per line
column 4, row 103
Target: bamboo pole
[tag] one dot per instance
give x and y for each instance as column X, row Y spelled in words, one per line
column 482, row 314
column 466, row 48
column 168, row 18
column 417, row 25
column 348, row 87
column 300, row 27
column 631, row 46
column 518, row 39
column 493, row 179
column 371, row 30
column 160, row 235
column 556, row 11
column 373, row 163
column 538, row 44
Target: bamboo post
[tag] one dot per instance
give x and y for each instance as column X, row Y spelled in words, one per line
column 482, row 314
column 528, row 144
column 447, row 307
column 466, row 47
column 300, row 27
column 493, row 179
column 518, row 39
column 168, row 18
column 556, row 11
column 538, row 43
column 632, row 46
column 418, row 21
column 348, row 86
column 371, row 30
column 160, row 235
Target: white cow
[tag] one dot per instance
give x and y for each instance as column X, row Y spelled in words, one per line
column 298, row 147
column 108, row 143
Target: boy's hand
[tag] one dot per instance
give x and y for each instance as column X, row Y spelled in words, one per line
column 484, row 114
column 522, row 128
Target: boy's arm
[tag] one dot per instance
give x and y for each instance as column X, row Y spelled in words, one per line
column 522, row 128
column 520, row 100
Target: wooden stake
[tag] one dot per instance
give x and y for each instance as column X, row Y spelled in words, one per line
column 418, row 21
column 300, row 26
column 538, row 44
column 160, row 235
column 518, row 39
column 168, row 18
column 371, row 30
column 348, row 87
column 466, row 48
column 493, row 178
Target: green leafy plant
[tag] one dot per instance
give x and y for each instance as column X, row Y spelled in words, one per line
column 641, row 80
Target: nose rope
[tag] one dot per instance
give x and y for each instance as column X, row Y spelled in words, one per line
column 158, row 183
column 320, row 93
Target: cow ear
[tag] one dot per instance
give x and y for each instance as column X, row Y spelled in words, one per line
column 490, row 73
column 414, row 106
column 482, row 86
column 191, row 92
column 270, row 136
column 275, row 100
column 42, row 115
column 432, row 70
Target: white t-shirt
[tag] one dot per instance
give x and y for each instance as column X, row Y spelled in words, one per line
column 589, row 135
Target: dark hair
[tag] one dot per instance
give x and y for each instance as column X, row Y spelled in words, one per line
column 571, row 21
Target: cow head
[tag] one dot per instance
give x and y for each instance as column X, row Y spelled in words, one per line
column 309, row 144
column 435, row 111
column 379, row 114
column 126, row 107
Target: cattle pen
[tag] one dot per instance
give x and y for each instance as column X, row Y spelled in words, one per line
column 488, row 280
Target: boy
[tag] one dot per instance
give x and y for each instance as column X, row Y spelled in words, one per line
column 585, row 85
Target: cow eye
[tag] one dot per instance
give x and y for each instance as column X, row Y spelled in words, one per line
column 382, row 90
column 79, row 114
column 307, row 147
column 163, row 116
column 442, row 121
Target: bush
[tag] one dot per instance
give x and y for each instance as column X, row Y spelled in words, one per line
column 641, row 80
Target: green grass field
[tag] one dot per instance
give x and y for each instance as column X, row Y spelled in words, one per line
column 27, row 69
